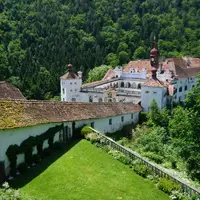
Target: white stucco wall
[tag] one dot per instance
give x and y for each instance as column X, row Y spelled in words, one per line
column 70, row 89
column 17, row 136
column 189, row 82
column 150, row 93
column 102, row 125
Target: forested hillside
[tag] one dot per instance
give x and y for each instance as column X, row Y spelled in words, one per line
column 39, row 37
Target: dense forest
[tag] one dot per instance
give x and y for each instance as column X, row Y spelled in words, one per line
column 40, row 37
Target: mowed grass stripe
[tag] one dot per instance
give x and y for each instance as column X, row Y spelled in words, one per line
column 87, row 173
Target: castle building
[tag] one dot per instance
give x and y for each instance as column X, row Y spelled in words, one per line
column 140, row 81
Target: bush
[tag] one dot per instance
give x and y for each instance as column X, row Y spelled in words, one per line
column 22, row 167
column 157, row 158
column 140, row 168
column 93, row 137
column 120, row 156
column 36, row 158
column 85, row 130
column 176, row 195
column 167, row 185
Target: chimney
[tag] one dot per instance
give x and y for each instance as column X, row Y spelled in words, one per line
column 80, row 74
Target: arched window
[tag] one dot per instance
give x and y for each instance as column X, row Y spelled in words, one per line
column 134, row 85
column 116, row 85
column 122, row 84
column 139, row 86
column 100, row 99
column 180, row 89
column 128, row 85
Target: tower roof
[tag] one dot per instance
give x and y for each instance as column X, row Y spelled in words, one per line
column 70, row 74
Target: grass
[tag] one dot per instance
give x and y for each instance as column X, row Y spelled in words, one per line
column 86, row 172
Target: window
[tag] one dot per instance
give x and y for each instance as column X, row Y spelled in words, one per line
column 139, row 86
column 63, row 91
column 73, row 99
column 122, row 119
column 92, row 124
column 70, row 90
column 180, row 89
column 122, row 84
column 71, row 83
column 63, row 99
column 75, row 90
column 147, row 92
column 75, row 83
column 110, row 121
column 131, row 116
column 100, row 100
column 154, row 92
column 185, row 87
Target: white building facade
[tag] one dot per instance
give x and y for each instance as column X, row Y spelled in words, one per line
column 69, row 116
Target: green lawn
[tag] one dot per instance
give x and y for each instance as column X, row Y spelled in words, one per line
column 86, row 172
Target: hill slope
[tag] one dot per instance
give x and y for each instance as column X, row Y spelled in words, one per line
column 39, row 37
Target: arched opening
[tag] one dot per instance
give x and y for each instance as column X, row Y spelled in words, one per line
column 100, row 99
column 134, row 85
column 73, row 100
column 139, row 86
column 122, row 84
column 128, row 85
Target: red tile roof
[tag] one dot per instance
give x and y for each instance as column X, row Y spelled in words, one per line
column 69, row 75
column 30, row 113
column 155, row 83
column 139, row 64
column 8, row 91
column 109, row 75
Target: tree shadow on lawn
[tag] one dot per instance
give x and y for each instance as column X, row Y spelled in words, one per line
column 33, row 172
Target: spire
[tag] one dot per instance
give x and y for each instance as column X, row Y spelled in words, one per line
column 69, row 67
column 154, row 41
column 154, row 60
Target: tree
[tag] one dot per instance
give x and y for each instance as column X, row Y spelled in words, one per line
column 112, row 60
column 97, row 73
column 140, row 53
column 123, row 57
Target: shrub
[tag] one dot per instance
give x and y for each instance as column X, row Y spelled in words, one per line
column 157, row 158
column 140, row 168
column 120, row 156
column 22, row 167
column 167, row 185
column 176, row 195
column 85, row 130
column 93, row 137
column 36, row 158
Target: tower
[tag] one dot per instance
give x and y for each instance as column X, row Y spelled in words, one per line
column 153, row 89
column 70, row 85
column 154, row 60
